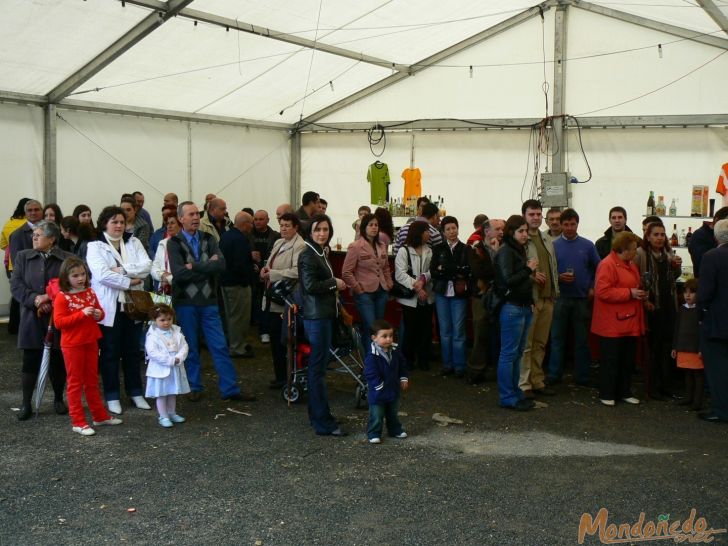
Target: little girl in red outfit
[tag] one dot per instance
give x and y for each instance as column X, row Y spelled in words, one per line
column 76, row 312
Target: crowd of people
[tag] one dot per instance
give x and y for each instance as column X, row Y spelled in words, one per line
column 534, row 298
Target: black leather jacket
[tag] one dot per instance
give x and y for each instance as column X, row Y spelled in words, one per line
column 512, row 276
column 448, row 266
column 317, row 282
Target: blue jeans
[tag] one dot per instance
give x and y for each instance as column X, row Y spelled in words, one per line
column 371, row 306
column 514, row 323
column 121, row 341
column 570, row 313
column 378, row 413
column 451, row 313
column 192, row 318
column 318, row 332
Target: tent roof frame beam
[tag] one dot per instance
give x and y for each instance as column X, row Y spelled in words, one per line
column 135, row 35
column 689, row 120
column 104, row 108
column 715, row 13
column 651, row 24
column 264, row 32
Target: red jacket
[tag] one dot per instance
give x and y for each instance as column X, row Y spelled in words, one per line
column 616, row 313
column 76, row 328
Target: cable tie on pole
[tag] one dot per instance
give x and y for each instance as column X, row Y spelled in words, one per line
column 331, row 84
column 471, row 71
column 659, row 50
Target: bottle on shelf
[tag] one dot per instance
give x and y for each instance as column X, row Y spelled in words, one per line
column 688, row 235
column 660, row 209
column 682, row 238
column 650, row 211
column 673, row 208
column 674, row 241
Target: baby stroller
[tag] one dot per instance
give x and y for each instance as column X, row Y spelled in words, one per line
column 345, row 356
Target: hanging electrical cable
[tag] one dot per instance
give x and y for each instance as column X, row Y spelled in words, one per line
column 376, row 135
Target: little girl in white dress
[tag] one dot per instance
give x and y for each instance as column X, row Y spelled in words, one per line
column 166, row 349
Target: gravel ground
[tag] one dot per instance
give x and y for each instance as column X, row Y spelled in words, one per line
column 500, row 478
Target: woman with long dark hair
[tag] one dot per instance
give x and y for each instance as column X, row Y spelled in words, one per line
column 319, row 289
column 83, row 213
column 366, row 273
column 514, row 285
column 412, row 270
column 659, row 267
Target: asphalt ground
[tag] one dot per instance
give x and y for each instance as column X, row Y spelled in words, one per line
column 226, row 478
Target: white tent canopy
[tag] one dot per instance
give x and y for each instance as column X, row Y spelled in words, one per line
column 258, row 101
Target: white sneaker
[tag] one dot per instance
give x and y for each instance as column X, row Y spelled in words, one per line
column 108, row 422
column 402, row 435
column 114, row 406
column 631, row 400
column 607, row 402
column 140, row 403
column 165, row 422
column 375, row 440
column 84, row 431
column 265, row 338
column 176, row 418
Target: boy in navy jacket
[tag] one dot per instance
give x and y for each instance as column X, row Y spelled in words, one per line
column 385, row 369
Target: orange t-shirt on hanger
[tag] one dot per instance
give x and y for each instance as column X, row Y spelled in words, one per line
column 412, row 183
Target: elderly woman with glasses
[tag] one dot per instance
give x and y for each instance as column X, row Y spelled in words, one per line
column 32, row 270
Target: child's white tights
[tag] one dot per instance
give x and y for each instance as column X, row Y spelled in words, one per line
column 167, row 405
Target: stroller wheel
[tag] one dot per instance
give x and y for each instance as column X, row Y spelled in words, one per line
column 293, row 394
column 360, row 397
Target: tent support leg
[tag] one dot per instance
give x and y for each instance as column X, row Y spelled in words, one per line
column 295, row 179
column 50, row 188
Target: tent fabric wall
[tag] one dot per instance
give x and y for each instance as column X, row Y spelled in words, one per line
column 101, row 156
column 21, row 165
column 484, row 171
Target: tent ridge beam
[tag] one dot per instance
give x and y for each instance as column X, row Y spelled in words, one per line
column 680, row 32
column 715, row 13
column 118, row 48
column 433, row 59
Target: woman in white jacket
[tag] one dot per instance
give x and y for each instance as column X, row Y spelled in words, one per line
column 282, row 264
column 118, row 262
column 412, row 270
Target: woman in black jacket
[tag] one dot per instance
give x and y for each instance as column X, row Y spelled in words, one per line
column 32, row 270
column 319, row 289
column 514, row 285
column 450, row 270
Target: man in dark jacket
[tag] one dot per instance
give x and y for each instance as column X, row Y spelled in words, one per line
column 703, row 240
column 195, row 262
column 22, row 238
column 713, row 305
column 617, row 224
column 235, row 283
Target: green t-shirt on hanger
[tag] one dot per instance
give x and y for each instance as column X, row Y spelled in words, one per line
column 378, row 177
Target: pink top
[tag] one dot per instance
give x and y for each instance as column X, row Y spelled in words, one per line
column 365, row 271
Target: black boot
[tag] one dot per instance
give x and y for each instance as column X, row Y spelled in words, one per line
column 689, row 389
column 28, row 383
column 57, row 374
column 699, row 390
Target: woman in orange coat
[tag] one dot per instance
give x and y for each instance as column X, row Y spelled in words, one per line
column 618, row 318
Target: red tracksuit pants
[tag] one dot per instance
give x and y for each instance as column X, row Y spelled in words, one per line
column 82, row 377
